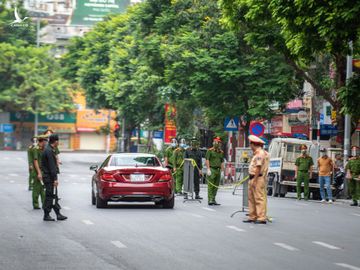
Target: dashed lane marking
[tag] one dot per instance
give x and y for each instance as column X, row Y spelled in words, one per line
column 208, row 209
column 73, row 175
column 354, row 214
column 325, row 245
column 13, row 174
column 285, row 246
column 88, row 222
column 196, row 215
column 66, row 180
column 302, row 204
column 235, row 228
column 74, row 183
column 347, row 266
column 12, row 181
column 118, row 244
column 66, row 207
column 6, row 158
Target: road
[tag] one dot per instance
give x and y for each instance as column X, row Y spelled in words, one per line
column 303, row 235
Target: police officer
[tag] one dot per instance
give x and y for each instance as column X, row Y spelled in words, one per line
column 215, row 164
column 353, row 169
column 258, row 169
column 169, row 153
column 178, row 163
column 303, row 172
column 49, row 169
column 47, row 133
column 193, row 152
column 30, row 155
column 38, row 186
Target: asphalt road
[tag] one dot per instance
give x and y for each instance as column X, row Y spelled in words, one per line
column 303, row 235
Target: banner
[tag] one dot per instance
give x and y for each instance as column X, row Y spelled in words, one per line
column 170, row 126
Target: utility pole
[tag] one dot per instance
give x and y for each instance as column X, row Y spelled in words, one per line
column 347, row 128
column 36, row 124
column 123, row 135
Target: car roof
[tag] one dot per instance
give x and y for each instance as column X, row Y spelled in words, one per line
column 133, row 155
column 291, row 140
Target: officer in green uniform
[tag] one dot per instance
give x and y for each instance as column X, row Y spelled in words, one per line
column 178, row 163
column 169, row 153
column 193, row 152
column 215, row 164
column 30, row 154
column 353, row 167
column 303, row 172
column 38, row 187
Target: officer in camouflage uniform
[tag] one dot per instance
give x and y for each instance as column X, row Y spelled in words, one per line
column 30, row 155
column 194, row 153
column 303, row 172
column 178, row 159
column 215, row 164
column 38, row 186
column 353, row 166
column 169, row 153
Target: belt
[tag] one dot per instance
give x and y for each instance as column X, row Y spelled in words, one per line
column 303, row 171
column 215, row 167
column 251, row 176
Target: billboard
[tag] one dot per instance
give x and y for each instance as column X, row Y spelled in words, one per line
column 170, row 126
column 89, row 12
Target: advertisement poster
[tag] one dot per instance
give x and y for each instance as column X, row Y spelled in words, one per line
column 170, row 126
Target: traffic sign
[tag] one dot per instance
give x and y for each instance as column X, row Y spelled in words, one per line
column 257, row 129
column 231, row 124
column 6, row 128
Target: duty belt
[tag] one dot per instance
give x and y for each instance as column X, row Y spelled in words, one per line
column 215, row 167
column 251, row 176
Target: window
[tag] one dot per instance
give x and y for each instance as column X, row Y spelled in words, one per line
column 135, row 161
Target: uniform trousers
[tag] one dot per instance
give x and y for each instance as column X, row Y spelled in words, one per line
column 257, row 199
column 302, row 176
column 50, row 196
column 213, row 183
column 354, row 188
column 38, row 190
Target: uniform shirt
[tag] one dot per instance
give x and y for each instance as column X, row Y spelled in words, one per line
column 354, row 166
column 196, row 155
column 49, row 163
column 178, row 157
column 215, row 157
column 30, row 153
column 304, row 163
column 38, row 155
column 260, row 158
column 326, row 166
column 169, row 155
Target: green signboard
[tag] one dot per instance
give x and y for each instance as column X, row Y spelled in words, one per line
column 50, row 118
column 89, row 12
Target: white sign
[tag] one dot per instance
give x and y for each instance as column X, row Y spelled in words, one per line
column 275, row 165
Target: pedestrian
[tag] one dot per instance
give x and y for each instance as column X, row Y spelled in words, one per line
column 215, row 165
column 38, row 186
column 258, row 168
column 353, row 175
column 325, row 167
column 169, row 153
column 178, row 163
column 303, row 172
column 194, row 153
column 30, row 155
column 50, row 171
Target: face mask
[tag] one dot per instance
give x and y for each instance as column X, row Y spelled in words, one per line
column 182, row 145
column 216, row 145
column 173, row 144
column 303, row 152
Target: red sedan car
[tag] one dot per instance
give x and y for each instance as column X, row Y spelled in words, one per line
column 134, row 178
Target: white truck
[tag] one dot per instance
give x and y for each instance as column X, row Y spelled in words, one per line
column 283, row 154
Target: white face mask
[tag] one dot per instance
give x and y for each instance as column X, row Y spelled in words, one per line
column 303, row 152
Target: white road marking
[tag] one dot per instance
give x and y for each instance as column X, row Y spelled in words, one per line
column 83, row 178
column 118, row 244
column 66, row 180
column 13, row 174
column 88, row 222
column 348, row 266
column 325, row 245
column 208, row 209
column 73, row 175
column 235, row 228
column 302, row 204
column 12, row 181
column 354, row 214
column 285, row 246
column 196, row 215
column 6, row 158
column 74, row 183
column 19, row 158
column 66, row 207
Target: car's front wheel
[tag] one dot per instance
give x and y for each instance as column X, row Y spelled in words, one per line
column 100, row 203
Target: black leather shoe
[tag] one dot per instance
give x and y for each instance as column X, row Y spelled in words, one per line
column 36, row 208
column 48, row 218
column 211, row 203
column 248, row 221
column 197, row 197
column 260, row 222
column 215, row 203
column 61, row 217
column 354, row 204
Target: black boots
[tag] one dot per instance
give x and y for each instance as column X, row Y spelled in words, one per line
column 47, row 217
column 197, row 197
column 60, row 217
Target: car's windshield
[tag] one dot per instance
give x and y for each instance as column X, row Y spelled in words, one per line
column 135, row 161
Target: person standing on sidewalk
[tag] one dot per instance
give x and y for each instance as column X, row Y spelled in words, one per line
column 303, row 172
column 325, row 166
column 258, row 169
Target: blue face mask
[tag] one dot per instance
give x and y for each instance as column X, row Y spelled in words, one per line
column 173, row 144
column 182, row 145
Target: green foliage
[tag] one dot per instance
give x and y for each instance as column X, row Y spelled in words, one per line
column 350, row 97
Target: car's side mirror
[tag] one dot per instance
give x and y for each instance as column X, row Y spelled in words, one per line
column 94, row 168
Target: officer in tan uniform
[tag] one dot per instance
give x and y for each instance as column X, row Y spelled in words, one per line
column 258, row 169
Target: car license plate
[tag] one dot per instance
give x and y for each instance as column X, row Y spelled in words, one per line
column 137, row 178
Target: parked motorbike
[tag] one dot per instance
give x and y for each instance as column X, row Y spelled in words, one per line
column 339, row 182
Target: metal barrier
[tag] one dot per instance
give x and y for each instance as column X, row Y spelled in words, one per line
column 189, row 180
column 242, row 172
